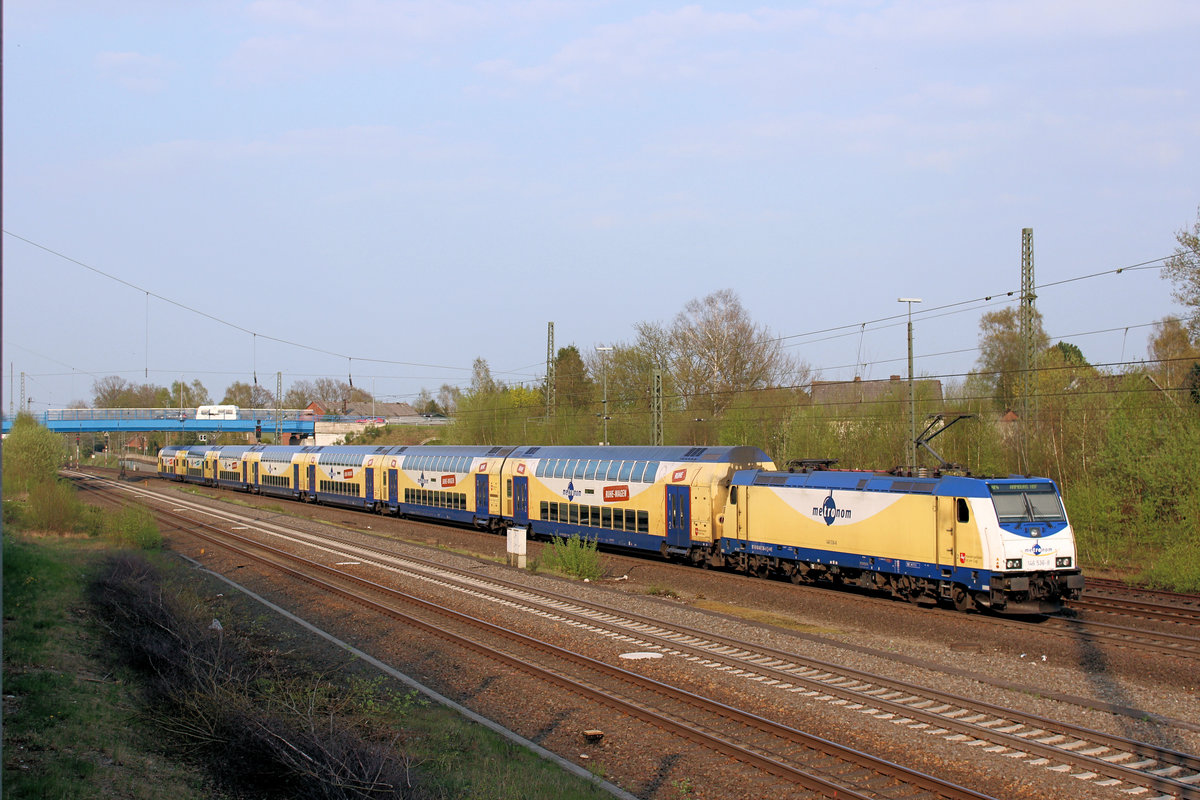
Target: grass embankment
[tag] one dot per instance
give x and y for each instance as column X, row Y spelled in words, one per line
column 120, row 686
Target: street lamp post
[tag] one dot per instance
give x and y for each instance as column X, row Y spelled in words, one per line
column 911, row 450
column 604, row 351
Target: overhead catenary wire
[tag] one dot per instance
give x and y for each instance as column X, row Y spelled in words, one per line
column 962, row 306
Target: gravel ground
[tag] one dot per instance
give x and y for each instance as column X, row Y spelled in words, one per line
column 1015, row 666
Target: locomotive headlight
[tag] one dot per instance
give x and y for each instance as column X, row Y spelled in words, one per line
column 1012, row 563
column 1062, row 561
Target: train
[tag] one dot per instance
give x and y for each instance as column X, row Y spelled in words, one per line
column 974, row 543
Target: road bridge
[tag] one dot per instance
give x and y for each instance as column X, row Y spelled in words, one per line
column 144, row 420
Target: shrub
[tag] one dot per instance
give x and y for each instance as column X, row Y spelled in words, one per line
column 53, row 507
column 32, row 455
column 573, row 556
column 134, row 527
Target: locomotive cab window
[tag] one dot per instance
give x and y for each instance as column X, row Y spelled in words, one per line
column 1027, row 502
column 964, row 510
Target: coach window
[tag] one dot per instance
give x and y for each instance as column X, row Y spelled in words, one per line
column 606, row 518
column 631, row 519
column 595, row 515
column 964, row 510
column 618, row 520
column 508, row 487
column 573, row 512
column 625, row 468
column 614, row 469
column 651, row 472
column 590, row 472
column 643, row 522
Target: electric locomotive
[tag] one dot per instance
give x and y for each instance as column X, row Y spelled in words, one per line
column 999, row 543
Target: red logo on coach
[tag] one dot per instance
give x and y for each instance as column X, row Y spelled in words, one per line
column 616, row 494
column 521, row 468
column 678, row 475
column 449, row 480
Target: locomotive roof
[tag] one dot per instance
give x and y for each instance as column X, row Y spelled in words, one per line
column 857, row 480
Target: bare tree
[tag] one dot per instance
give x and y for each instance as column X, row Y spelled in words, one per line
column 245, row 395
column 108, row 392
column 1183, row 270
column 716, row 350
column 482, row 381
column 447, row 398
column 1000, row 349
column 1172, row 352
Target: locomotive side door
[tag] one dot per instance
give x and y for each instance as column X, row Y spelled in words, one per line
column 946, row 528
column 679, row 516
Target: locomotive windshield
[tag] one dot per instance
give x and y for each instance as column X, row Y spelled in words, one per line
column 1027, row 502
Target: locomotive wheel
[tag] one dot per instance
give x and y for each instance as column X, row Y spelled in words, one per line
column 908, row 589
column 963, row 601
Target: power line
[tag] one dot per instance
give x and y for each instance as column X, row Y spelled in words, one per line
column 839, row 331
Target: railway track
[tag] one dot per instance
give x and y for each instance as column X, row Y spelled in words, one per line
column 797, row 758
column 1038, row 741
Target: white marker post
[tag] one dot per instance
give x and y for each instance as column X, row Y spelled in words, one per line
column 516, row 547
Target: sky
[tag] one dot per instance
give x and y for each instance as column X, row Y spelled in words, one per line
column 383, row 191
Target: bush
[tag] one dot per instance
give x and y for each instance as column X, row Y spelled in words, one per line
column 133, row 527
column 573, row 556
column 53, row 507
column 32, row 455
column 260, row 728
column 1178, row 568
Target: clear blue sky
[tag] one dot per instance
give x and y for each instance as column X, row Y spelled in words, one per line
column 430, row 182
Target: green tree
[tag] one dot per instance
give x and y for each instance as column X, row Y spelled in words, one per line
column 574, row 387
column 187, row 395
column 1183, row 270
column 32, row 455
column 1192, row 383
